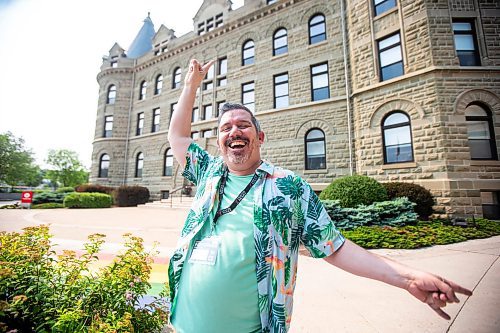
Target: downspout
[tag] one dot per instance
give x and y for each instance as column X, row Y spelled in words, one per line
column 347, row 89
column 125, row 161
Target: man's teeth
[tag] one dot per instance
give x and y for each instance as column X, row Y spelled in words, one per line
column 237, row 144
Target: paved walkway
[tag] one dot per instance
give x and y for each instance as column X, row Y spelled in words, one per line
column 326, row 299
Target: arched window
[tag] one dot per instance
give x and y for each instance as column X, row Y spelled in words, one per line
column 480, row 132
column 317, row 29
column 248, row 52
column 103, row 166
column 142, row 90
column 315, row 149
column 280, row 42
column 176, row 79
column 397, row 141
column 158, row 84
column 111, row 96
column 168, row 163
column 139, row 164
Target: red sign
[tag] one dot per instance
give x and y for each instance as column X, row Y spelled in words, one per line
column 26, row 197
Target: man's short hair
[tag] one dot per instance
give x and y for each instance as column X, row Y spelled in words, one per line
column 236, row 106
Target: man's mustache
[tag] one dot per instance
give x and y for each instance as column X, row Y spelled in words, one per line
column 236, row 138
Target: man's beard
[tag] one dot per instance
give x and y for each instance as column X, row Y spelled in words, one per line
column 242, row 156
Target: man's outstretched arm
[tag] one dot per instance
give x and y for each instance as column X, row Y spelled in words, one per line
column 179, row 132
column 428, row 288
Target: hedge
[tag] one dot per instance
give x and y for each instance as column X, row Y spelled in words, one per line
column 421, row 196
column 352, row 191
column 95, row 188
column 127, row 196
column 398, row 212
column 45, row 197
column 88, row 200
column 48, row 205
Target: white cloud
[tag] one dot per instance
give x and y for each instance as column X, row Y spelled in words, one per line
column 50, row 53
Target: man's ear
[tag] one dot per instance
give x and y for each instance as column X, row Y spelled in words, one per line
column 261, row 137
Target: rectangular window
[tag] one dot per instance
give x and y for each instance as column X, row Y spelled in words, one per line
column 319, row 78
column 219, row 105
column 209, row 85
column 382, row 6
column 140, row 124
column 172, row 109
column 281, row 90
column 195, row 135
column 465, row 38
column 108, row 126
column 390, row 57
column 206, row 133
column 248, row 95
column 196, row 115
column 156, row 120
column 221, row 72
column 207, row 112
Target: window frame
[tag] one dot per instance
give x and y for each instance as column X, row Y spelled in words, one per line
column 319, row 36
column 158, row 84
column 313, row 75
column 139, row 160
column 100, row 173
column 108, row 133
column 281, row 49
column 111, row 94
column 139, row 130
column 143, row 90
column 472, row 32
column 166, row 158
column 275, row 85
column 307, row 165
column 245, row 61
column 176, row 78
column 251, row 91
column 489, row 120
column 392, row 126
column 387, row 48
column 155, row 125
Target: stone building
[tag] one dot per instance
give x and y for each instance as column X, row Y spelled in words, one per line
column 399, row 90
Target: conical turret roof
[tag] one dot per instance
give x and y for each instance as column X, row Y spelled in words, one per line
column 143, row 41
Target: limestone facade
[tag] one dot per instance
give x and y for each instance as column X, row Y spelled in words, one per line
column 434, row 91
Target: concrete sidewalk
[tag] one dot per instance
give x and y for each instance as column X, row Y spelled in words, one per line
column 326, row 299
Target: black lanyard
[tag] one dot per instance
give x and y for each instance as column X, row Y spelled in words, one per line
column 236, row 201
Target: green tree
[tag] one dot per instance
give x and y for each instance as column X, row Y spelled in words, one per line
column 66, row 169
column 17, row 163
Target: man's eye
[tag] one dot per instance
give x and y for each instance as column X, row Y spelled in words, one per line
column 225, row 129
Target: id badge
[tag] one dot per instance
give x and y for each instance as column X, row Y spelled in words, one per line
column 205, row 251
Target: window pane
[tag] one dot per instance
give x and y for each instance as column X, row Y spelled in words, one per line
column 391, row 71
column 396, row 118
column 320, row 81
column 390, row 56
column 397, row 136
column 222, row 66
column 315, row 134
column 384, row 6
column 281, row 89
column 480, row 149
column 317, row 29
column 475, row 110
column 462, row 26
column 389, row 41
column 464, row 43
column 399, row 153
column 319, row 69
column 319, row 94
column 478, row 130
column 317, row 19
column 282, row 102
column 316, row 148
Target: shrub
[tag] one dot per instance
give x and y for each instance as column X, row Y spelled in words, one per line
column 127, row 196
column 421, row 196
column 88, row 200
column 352, row 191
column 48, row 205
column 42, row 292
column 67, row 189
column 45, row 197
column 398, row 212
column 95, row 188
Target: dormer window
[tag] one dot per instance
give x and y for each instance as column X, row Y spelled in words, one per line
column 210, row 24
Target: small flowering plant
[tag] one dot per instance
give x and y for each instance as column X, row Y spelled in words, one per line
column 44, row 292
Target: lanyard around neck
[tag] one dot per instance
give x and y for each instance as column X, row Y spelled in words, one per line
column 236, row 201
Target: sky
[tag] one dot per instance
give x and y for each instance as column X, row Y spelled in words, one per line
column 50, row 55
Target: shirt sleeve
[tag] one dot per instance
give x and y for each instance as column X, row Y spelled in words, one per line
column 197, row 162
column 319, row 236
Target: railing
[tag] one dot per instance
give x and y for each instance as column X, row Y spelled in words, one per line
column 180, row 188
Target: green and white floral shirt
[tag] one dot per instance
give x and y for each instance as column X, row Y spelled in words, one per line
column 286, row 213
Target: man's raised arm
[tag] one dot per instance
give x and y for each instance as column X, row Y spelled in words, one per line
column 179, row 132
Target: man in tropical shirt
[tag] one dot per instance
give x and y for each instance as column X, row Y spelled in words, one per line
column 235, row 266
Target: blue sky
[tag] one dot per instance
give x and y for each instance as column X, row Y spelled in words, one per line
column 50, row 53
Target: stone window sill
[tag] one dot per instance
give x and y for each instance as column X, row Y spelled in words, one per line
column 484, row 162
column 311, row 172
column 399, row 166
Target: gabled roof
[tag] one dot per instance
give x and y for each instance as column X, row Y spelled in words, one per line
column 143, row 41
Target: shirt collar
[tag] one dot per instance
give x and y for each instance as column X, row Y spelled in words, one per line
column 264, row 167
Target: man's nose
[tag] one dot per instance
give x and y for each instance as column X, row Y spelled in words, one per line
column 234, row 131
